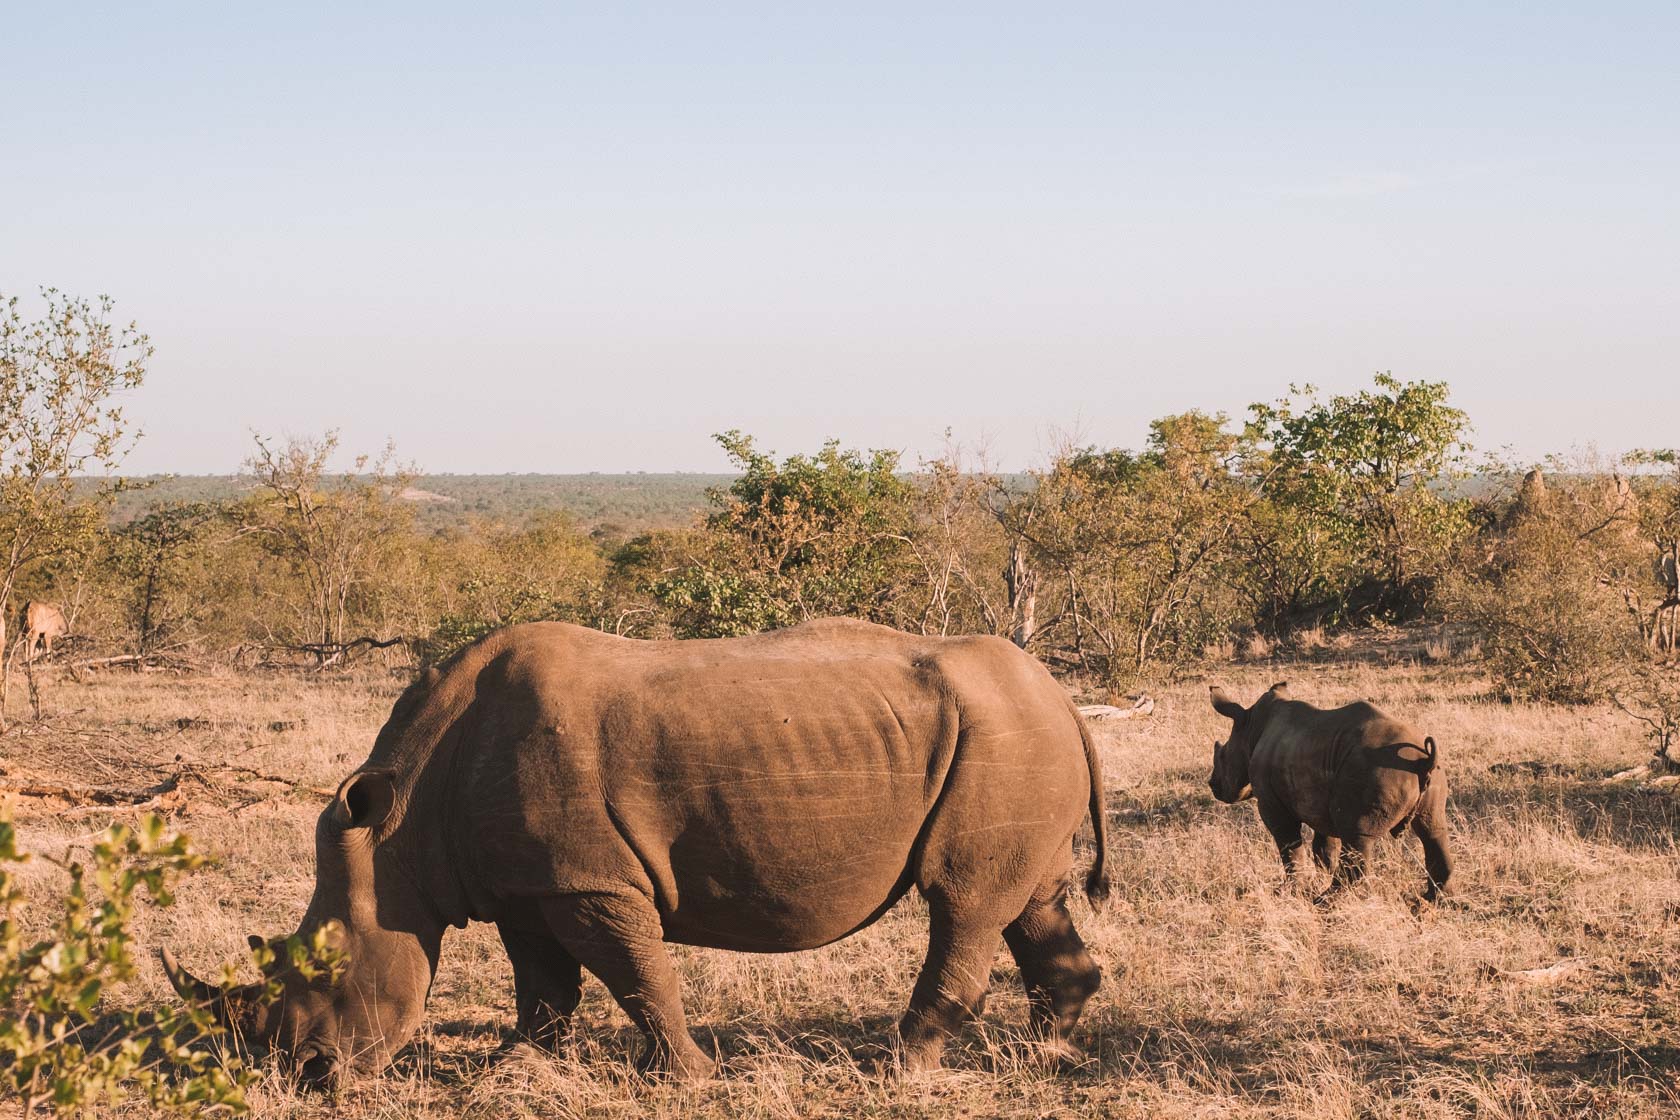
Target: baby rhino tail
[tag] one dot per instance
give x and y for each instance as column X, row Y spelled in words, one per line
column 1429, row 753
column 1424, row 771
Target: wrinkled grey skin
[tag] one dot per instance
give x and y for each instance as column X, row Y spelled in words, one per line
column 596, row 797
column 1352, row 774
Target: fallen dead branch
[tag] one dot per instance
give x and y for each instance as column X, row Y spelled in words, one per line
column 1102, row 712
column 138, row 662
column 314, row 655
column 96, row 796
column 1550, row 974
column 168, row 794
column 202, row 771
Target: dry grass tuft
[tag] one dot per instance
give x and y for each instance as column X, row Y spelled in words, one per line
column 1220, row 652
column 1224, row 996
column 1308, row 640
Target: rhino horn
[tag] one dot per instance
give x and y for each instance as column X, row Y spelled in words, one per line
column 186, row 985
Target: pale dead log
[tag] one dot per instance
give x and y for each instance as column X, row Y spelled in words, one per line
column 1550, row 974
column 91, row 795
column 1104, row 712
column 135, row 660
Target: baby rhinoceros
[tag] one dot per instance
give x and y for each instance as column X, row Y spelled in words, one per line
column 1351, row 773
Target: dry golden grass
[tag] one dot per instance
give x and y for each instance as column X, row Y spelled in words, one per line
column 1220, row 652
column 1223, row 996
column 1308, row 640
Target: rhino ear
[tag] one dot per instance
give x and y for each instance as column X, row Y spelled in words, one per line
column 255, row 942
column 365, row 799
column 1281, row 690
column 1224, row 705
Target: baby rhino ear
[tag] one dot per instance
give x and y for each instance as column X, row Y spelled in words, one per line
column 1224, row 705
column 365, row 799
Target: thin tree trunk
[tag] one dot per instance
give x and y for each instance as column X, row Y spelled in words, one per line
column 1022, row 584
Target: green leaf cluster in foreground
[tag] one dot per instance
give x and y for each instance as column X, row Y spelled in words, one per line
column 56, row 1049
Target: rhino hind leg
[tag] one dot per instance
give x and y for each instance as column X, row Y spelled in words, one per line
column 1437, row 856
column 1285, row 828
column 620, row 940
column 1056, row 970
column 1326, row 849
column 547, row 985
column 1350, row 869
column 952, row 985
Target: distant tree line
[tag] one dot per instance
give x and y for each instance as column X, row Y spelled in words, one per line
column 609, row 505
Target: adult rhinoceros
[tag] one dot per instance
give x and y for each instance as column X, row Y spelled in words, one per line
column 596, row 796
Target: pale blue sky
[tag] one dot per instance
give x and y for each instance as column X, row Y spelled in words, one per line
column 565, row 238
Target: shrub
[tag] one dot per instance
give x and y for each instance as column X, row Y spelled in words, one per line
column 1134, row 548
column 825, row 534
column 55, row 1051
column 1547, row 595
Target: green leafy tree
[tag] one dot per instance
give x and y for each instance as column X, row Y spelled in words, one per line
column 148, row 559
column 1366, row 477
column 825, row 534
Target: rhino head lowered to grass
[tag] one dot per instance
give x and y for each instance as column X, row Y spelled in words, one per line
column 357, row 1015
column 595, row 796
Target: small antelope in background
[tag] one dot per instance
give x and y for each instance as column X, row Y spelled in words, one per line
column 38, row 625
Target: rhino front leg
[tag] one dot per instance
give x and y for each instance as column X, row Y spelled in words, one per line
column 547, row 984
column 620, row 939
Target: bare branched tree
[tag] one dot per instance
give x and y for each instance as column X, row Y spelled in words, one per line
column 331, row 527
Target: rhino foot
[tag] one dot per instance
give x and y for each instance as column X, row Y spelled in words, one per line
column 677, row 1063
column 1423, row 905
column 1055, row 1053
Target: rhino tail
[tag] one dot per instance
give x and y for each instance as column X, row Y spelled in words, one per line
column 1097, row 882
column 1426, row 768
column 1429, row 753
